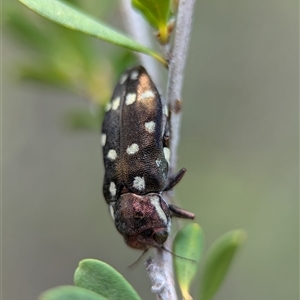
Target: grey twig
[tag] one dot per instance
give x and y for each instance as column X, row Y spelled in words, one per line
column 157, row 278
column 174, row 90
column 160, row 271
column 176, row 72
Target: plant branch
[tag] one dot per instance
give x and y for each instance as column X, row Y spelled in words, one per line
column 176, row 73
column 174, row 91
column 160, row 271
column 158, row 279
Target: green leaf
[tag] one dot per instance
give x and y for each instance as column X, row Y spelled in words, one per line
column 83, row 120
column 44, row 73
column 157, row 13
column 103, row 279
column 26, row 31
column 218, row 261
column 188, row 247
column 72, row 18
column 70, row 293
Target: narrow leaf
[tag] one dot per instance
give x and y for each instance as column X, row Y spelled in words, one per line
column 26, row 31
column 218, row 261
column 188, row 247
column 157, row 13
column 103, row 279
column 83, row 120
column 72, row 18
column 70, row 293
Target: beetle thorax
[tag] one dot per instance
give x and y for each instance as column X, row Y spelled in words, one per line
column 143, row 220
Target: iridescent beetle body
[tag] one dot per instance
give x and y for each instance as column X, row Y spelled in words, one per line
column 136, row 158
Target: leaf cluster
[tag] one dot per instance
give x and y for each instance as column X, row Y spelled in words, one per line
column 189, row 243
column 95, row 279
column 70, row 60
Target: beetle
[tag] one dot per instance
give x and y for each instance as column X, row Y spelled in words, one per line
column 136, row 158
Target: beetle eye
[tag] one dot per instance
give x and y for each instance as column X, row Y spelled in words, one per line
column 147, row 233
column 160, row 236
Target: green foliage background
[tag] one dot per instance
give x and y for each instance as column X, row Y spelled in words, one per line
column 239, row 143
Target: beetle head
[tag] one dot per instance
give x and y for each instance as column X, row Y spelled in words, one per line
column 143, row 220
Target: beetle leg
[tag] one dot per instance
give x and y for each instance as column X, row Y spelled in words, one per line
column 180, row 213
column 174, row 179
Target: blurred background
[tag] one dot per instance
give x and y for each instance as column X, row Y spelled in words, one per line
column 239, row 143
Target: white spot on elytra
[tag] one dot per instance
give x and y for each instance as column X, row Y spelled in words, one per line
column 123, row 78
column 108, row 106
column 167, row 154
column 103, row 139
column 112, row 211
column 166, row 110
column 115, row 103
column 146, row 95
column 112, row 189
column 112, row 154
column 156, row 203
column 133, row 148
column 130, row 98
column 139, row 183
column 134, row 75
column 150, row 126
column 158, row 162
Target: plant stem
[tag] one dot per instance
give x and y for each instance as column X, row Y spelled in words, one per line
column 176, row 72
column 160, row 270
column 174, row 90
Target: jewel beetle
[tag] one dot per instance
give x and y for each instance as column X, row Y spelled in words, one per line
column 135, row 135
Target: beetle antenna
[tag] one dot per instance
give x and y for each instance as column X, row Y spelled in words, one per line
column 135, row 264
column 175, row 255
